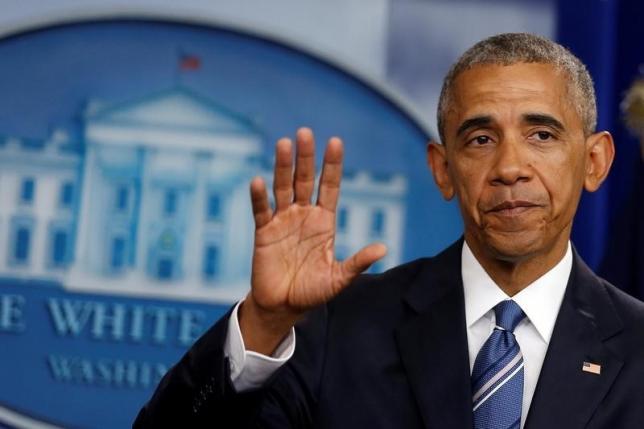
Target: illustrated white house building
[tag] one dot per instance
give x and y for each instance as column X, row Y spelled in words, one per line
column 38, row 204
column 153, row 201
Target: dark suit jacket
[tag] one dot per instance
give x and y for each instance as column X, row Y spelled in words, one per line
column 391, row 352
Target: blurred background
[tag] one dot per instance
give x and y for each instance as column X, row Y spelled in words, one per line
column 129, row 131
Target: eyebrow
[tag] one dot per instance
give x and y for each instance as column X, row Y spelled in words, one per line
column 530, row 118
column 477, row 121
column 543, row 119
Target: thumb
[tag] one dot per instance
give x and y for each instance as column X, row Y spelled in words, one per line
column 362, row 260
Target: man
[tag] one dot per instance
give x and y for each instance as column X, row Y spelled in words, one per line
column 507, row 328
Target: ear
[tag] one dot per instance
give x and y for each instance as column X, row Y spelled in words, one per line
column 437, row 162
column 600, row 152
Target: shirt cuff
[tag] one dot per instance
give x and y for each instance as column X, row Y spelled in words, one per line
column 248, row 369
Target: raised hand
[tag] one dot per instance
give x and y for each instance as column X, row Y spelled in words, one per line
column 294, row 266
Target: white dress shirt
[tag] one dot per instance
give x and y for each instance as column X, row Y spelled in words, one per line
column 248, row 369
column 540, row 301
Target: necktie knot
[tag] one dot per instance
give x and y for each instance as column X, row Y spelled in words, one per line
column 508, row 315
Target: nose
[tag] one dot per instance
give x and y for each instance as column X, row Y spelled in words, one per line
column 511, row 163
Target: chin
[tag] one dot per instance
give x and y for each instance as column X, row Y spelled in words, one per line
column 512, row 246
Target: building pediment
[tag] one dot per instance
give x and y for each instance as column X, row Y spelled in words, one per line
column 177, row 108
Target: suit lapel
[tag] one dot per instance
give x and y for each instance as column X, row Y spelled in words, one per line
column 565, row 395
column 433, row 344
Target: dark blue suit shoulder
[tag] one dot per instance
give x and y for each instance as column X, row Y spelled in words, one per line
column 384, row 287
column 629, row 308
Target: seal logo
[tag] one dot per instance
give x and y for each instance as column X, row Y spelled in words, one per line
column 126, row 149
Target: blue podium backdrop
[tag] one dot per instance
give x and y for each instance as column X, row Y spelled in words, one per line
column 126, row 149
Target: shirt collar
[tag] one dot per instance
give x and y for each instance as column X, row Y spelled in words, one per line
column 540, row 300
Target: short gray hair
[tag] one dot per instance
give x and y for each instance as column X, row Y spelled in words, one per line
column 511, row 48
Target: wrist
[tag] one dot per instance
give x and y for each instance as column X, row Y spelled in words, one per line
column 263, row 330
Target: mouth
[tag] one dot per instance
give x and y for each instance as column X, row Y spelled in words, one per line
column 512, row 208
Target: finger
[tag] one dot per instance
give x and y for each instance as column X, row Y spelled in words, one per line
column 283, row 175
column 331, row 175
column 304, row 166
column 362, row 260
column 259, row 198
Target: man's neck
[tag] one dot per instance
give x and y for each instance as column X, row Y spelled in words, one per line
column 513, row 275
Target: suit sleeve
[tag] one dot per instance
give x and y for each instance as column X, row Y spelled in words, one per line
column 198, row 392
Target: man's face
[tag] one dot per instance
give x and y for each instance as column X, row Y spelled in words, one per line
column 516, row 158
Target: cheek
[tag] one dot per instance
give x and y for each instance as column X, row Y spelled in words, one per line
column 469, row 190
column 563, row 181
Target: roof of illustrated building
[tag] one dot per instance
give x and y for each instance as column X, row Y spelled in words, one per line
column 57, row 145
column 174, row 108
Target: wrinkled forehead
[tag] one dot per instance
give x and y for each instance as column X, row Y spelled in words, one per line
column 514, row 90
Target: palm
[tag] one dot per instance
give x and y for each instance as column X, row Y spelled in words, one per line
column 294, row 266
column 294, row 258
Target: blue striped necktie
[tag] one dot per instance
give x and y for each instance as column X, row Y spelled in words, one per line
column 497, row 377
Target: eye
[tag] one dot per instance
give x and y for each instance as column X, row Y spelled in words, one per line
column 543, row 136
column 481, row 140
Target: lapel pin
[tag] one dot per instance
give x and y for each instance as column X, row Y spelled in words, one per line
column 593, row 368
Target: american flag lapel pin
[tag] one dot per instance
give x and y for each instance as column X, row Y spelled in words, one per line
column 593, row 368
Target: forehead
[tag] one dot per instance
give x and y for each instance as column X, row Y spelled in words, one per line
column 508, row 92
